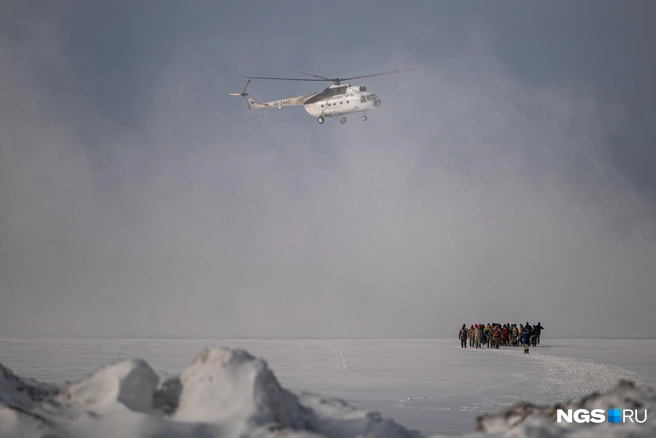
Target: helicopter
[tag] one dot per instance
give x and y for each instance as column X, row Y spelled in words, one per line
column 337, row 100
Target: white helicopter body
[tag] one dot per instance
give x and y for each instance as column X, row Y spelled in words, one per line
column 337, row 100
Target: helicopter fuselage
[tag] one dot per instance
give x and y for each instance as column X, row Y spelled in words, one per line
column 334, row 101
column 338, row 100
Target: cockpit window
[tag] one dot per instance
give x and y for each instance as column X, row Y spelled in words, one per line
column 363, row 99
column 369, row 97
column 327, row 93
column 363, row 88
column 338, row 90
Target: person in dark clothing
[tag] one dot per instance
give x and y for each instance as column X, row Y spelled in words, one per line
column 487, row 335
column 539, row 328
column 462, row 335
column 534, row 337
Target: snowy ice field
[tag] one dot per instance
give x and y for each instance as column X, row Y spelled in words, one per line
column 432, row 386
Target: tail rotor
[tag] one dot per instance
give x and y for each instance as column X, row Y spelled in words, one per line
column 244, row 94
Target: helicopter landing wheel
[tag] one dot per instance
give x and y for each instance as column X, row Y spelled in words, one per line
column 320, row 120
column 342, row 120
column 363, row 118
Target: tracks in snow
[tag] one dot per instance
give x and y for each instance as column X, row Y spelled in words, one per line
column 342, row 365
column 567, row 378
column 313, row 358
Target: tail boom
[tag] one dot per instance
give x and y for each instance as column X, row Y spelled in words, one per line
column 290, row 101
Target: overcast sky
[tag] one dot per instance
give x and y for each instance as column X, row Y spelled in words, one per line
column 509, row 178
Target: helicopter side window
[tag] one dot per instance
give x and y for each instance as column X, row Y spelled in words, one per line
column 363, row 99
column 363, row 88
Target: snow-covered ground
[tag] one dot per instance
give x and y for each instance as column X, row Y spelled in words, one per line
column 432, row 386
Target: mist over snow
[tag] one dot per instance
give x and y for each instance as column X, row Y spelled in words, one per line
column 162, row 207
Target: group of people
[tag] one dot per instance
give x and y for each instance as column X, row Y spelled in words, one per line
column 498, row 335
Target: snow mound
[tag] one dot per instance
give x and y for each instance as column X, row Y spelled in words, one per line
column 527, row 420
column 221, row 386
column 222, row 393
column 18, row 400
column 131, row 383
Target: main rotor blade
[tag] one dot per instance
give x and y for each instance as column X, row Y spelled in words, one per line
column 384, row 73
column 288, row 79
column 335, row 80
column 249, row 81
column 317, row 76
column 235, row 94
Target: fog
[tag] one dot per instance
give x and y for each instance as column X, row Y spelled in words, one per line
column 164, row 208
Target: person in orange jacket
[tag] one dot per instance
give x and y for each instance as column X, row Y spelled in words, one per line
column 470, row 335
column 496, row 337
